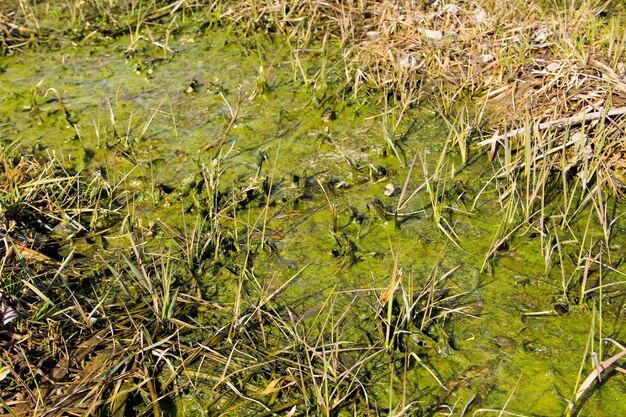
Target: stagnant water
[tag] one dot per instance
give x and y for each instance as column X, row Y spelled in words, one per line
column 144, row 117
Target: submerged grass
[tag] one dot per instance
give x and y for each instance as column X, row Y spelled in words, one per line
column 114, row 318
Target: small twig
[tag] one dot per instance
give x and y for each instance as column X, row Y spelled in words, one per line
column 566, row 121
column 219, row 142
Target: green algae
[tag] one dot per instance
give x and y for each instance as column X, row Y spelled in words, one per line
column 289, row 159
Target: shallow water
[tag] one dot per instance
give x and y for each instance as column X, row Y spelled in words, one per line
column 135, row 117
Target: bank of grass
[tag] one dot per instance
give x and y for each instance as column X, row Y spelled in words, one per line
column 539, row 89
column 543, row 83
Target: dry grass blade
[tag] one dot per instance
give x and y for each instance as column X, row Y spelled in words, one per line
column 600, row 369
column 16, row 31
column 219, row 142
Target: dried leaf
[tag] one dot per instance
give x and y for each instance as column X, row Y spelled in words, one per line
column 410, row 62
column 4, row 371
column 7, row 313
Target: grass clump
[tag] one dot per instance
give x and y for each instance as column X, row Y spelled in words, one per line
column 87, row 328
column 102, row 316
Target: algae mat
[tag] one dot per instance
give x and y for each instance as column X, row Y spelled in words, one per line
column 314, row 185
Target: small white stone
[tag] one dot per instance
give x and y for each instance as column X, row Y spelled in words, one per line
column 480, row 15
column 433, row 34
column 409, row 62
column 484, row 58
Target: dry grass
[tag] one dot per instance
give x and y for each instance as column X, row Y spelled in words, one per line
column 18, row 27
column 522, row 64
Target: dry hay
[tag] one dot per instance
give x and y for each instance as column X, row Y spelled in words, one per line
column 526, row 64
